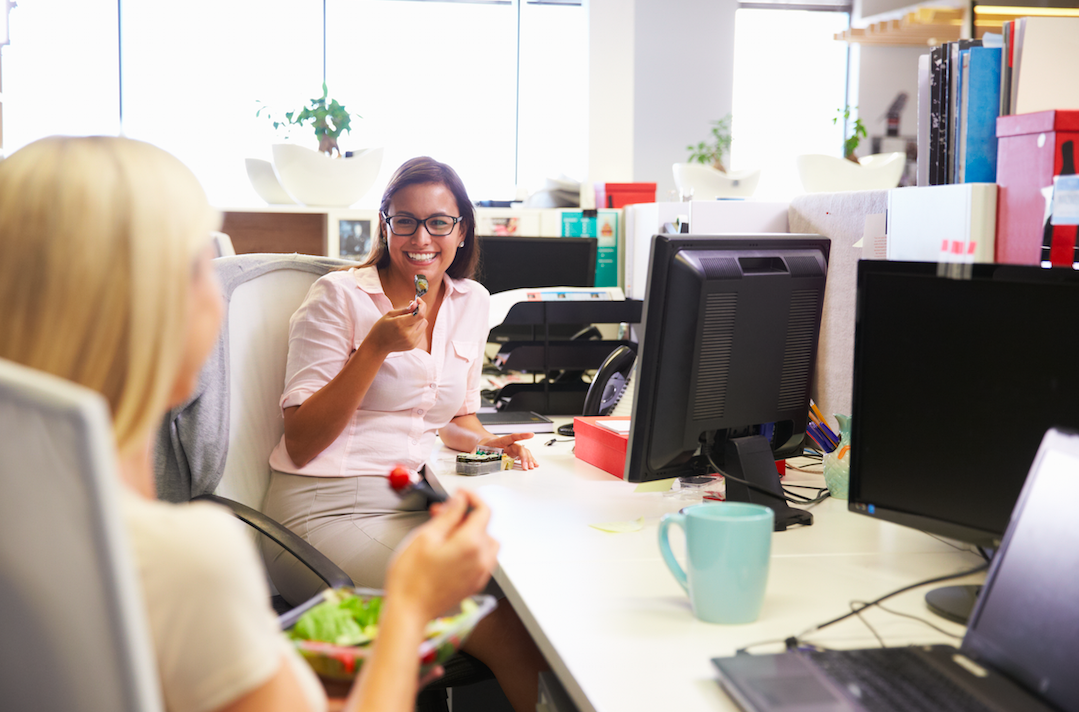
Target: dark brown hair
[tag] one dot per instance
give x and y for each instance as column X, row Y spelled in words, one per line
column 427, row 170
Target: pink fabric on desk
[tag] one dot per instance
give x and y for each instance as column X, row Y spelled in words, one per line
column 414, row 393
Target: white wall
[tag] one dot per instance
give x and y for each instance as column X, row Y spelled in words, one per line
column 883, row 73
column 610, row 91
column 661, row 71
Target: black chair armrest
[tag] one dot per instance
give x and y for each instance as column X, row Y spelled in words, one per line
column 308, row 555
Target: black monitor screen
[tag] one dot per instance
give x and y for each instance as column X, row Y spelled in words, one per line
column 730, row 338
column 526, row 262
column 955, row 383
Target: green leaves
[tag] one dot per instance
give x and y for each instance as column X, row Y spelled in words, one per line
column 326, row 116
column 711, row 153
column 858, row 131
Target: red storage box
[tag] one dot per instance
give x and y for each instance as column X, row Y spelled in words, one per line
column 600, row 446
column 1031, row 149
column 606, row 449
column 617, row 195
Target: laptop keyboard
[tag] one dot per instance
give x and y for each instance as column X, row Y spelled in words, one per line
column 898, row 679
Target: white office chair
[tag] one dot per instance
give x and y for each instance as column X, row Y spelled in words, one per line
column 74, row 635
column 217, row 446
column 222, row 244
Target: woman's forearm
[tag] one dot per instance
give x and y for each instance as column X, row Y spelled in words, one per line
column 464, row 433
column 312, row 426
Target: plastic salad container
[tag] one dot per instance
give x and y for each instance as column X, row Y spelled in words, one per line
column 334, row 630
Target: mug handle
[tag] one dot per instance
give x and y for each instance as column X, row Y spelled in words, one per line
column 665, row 547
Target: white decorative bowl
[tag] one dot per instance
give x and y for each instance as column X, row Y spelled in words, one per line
column 264, row 181
column 708, row 184
column 828, row 174
column 315, row 179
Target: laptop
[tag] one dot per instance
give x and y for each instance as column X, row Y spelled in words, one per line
column 1021, row 648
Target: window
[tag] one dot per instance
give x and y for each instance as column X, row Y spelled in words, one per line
column 446, row 79
column 783, row 107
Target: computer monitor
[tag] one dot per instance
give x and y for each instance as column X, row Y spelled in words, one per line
column 731, row 324
column 955, row 383
column 511, row 262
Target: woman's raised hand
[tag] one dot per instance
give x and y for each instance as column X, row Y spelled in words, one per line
column 400, row 329
column 510, row 446
column 446, row 559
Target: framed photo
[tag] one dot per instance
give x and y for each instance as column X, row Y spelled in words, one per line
column 352, row 233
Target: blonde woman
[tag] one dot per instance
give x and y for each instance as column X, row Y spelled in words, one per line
column 106, row 280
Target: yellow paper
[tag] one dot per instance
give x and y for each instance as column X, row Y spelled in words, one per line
column 620, row 527
column 655, row 486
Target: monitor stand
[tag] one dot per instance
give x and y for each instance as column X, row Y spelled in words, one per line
column 750, row 458
column 953, row 602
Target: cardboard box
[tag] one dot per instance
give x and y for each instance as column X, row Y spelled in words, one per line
column 600, row 446
column 618, row 195
column 1031, row 149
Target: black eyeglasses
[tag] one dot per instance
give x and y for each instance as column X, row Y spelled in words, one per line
column 406, row 225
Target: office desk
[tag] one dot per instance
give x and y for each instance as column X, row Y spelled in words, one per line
column 617, row 629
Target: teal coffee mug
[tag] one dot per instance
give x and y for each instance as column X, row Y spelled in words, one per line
column 728, row 546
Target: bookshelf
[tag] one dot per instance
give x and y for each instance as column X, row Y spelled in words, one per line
column 935, row 22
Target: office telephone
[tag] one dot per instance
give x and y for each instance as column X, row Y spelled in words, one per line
column 610, row 382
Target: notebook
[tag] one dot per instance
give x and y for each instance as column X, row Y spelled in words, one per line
column 1021, row 648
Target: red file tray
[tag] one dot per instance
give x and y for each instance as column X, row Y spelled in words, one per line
column 600, row 446
column 1030, row 151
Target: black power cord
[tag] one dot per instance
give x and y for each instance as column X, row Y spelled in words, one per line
column 793, row 641
column 792, row 497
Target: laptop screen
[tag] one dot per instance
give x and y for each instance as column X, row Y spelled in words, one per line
column 1026, row 623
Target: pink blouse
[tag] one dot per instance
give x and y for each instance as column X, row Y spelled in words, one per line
column 414, row 394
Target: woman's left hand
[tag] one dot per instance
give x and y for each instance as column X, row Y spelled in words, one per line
column 511, row 447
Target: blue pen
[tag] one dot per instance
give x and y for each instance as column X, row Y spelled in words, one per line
column 826, row 445
column 829, row 434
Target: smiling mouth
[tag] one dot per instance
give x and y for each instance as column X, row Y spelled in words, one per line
column 422, row 256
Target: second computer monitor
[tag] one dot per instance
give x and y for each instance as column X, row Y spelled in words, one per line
column 730, row 342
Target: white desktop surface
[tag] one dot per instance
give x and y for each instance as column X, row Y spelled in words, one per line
column 618, row 630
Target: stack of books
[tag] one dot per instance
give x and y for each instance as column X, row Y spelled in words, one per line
column 964, row 86
column 959, row 101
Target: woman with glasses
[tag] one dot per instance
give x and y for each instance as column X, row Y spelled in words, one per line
column 106, row 279
column 383, row 358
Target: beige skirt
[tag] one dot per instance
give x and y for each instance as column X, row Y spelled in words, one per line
column 357, row 522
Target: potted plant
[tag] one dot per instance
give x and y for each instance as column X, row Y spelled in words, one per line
column 711, row 152
column 314, row 178
column 850, row 145
column 326, row 116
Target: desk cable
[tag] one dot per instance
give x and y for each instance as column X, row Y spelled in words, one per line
column 857, row 607
column 792, row 497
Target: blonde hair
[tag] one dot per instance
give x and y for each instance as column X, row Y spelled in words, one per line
column 97, row 239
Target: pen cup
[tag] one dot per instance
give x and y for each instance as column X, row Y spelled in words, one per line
column 837, row 462
column 728, row 546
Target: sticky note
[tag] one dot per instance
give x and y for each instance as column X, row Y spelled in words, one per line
column 620, row 527
column 655, row 486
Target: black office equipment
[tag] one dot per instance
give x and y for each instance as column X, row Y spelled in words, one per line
column 511, row 262
column 549, row 395
column 1018, row 653
column 548, row 339
column 724, row 368
column 955, row 382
